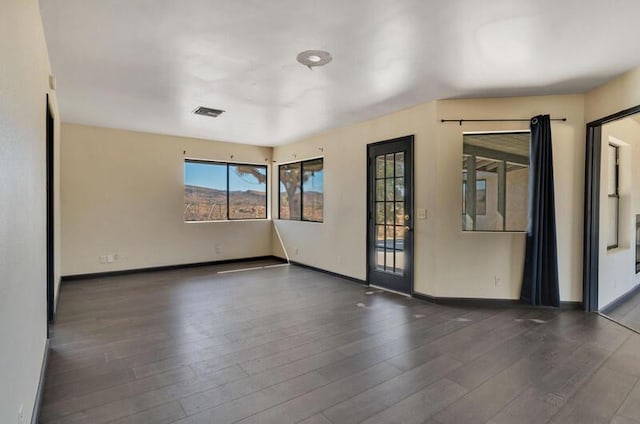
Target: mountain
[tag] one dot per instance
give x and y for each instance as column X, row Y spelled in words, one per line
column 208, row 204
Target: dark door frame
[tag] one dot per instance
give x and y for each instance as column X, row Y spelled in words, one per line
column 50, row 128
column 591, row 254
column 409, row 238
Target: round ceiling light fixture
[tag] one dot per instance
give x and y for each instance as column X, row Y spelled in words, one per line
column 313, row 58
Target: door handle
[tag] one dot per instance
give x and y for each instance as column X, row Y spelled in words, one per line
column 407, row 228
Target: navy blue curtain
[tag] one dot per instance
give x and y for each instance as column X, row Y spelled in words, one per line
column 540, row 277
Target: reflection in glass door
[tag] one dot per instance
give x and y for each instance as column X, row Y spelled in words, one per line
column 390, row 214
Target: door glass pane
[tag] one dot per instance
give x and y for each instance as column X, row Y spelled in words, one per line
column 380, row 213
column 389, row 265
column 400, row 213
column 389, row 244
column 390, row 213
column 380, row 166
column 380, row 190
column 390, row 165
column 379, row 247
column 389, row 190
column 400, row 164
column 379, row 258
column 399, row 189
column 399, row 252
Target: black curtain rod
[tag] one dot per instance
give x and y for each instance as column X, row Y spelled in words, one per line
column 460, row 121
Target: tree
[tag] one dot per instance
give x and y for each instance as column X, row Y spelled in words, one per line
column 292, row 181
column 291, row 178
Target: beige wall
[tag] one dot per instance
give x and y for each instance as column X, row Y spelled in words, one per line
column 122, row 193
column 23, row 85
column 490, row 255
column 339, row 243
column 616, row 95
column 617, row 269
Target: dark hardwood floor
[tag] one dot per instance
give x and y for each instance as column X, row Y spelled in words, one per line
column 287, row 344
column 627, row 313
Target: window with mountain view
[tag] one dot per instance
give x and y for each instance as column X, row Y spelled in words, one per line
column 218, row 191
column 302, row 191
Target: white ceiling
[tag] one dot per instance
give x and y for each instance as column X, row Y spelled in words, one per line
column 147, row 64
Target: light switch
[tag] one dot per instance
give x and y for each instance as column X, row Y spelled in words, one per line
column 422, row 213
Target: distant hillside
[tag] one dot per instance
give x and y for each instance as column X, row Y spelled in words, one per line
column 204, row 204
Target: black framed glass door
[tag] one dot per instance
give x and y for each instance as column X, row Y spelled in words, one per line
column 390, row 214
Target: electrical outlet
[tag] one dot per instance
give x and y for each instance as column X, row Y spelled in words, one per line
column 218, row 248
column 109, row 259
column 102, row 259
column 422, row 213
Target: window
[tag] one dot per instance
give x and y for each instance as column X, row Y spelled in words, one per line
column 613, row 200
column 495, row 181
column 302, row 191
column 216, row 191
column 290, row 191
column 481, row 197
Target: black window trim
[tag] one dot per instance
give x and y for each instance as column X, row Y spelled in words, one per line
column 503, row 230
column 301, row 162
column 226, row 163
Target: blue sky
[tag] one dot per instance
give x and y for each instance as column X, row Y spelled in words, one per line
column 315, row 182
column 215, row 176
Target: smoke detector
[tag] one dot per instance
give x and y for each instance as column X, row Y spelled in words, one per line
column 207, row 111
column 313, row 58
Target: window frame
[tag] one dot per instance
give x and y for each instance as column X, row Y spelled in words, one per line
column 227, row 165
column 506, row 162
column 615, row 195
column 301, row 162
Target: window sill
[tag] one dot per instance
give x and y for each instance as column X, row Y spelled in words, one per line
column 228, row 220
column 298, row 220
column 492, row 232
column 615, row 250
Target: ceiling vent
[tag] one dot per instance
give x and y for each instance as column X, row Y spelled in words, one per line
column 207, row 111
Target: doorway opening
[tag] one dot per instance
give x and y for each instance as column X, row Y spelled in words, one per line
column 611, row 281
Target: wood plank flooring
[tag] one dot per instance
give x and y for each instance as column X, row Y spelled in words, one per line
column 627, row 313
column 291, row 345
